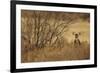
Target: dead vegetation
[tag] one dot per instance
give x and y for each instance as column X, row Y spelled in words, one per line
column 69, row 52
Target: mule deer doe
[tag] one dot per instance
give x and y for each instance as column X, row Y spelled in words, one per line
column 76, row 39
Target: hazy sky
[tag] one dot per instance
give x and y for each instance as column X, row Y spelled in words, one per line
column 80, row 26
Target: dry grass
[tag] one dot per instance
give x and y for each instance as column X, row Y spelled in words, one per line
column 57, row 54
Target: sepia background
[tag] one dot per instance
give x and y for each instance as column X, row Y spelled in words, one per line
column 50, row 36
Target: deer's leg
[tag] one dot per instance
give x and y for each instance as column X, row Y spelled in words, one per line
column 75, row 43
column 79, row 42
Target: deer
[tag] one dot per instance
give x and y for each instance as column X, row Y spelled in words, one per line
column 76, row 41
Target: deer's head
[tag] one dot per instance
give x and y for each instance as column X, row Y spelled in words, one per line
column 76, row 34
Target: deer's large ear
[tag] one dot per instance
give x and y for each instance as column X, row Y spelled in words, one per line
column 79, row 33
column 73, row 33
